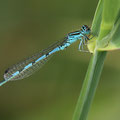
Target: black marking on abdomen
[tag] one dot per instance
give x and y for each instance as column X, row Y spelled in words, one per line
column 21, row 70
column 33, row 62
column 47, row 54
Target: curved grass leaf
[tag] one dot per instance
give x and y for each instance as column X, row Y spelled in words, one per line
column 108, row 26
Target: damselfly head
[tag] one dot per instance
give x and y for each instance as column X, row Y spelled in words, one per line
column 85, row 29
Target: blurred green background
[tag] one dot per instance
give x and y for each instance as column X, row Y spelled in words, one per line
column 28, row 26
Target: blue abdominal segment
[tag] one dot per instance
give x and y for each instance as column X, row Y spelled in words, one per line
column 29, row 65
column 16, row 73
column 54, row 50
column 42, row 57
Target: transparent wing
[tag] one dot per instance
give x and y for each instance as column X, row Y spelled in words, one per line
column 20, row 68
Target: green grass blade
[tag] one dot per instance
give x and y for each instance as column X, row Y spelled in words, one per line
column 97, row 18
column 89, row 86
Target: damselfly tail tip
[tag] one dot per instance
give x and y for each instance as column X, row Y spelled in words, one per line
column 2, row 82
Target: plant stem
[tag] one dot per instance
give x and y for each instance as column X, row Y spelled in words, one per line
column 89, row 86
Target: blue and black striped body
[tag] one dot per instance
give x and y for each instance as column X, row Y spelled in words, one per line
column 33, row 63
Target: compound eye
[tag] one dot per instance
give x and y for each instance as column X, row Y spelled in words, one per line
column 83, row 27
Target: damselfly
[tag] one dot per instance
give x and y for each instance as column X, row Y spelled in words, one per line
column 33, row 63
